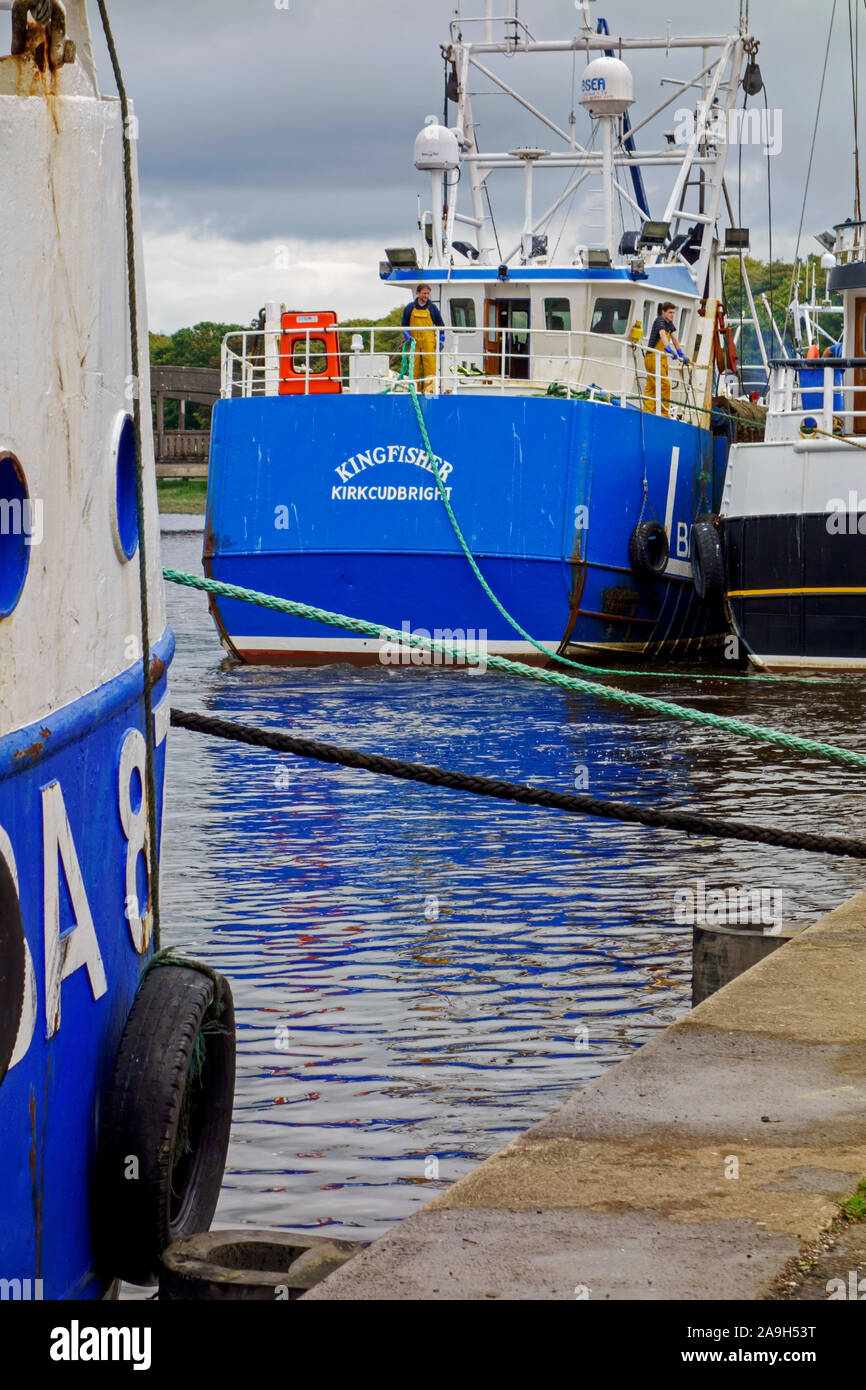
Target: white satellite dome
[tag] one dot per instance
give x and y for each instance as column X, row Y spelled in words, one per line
column 436, row 147
column 608, row 87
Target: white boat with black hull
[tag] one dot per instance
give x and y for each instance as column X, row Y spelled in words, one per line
column 794, row 505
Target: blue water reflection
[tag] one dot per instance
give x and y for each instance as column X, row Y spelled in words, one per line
column 419, row 975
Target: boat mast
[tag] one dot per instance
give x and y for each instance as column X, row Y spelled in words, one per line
column 704, row 158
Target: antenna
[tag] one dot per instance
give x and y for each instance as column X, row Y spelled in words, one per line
column 584, row 6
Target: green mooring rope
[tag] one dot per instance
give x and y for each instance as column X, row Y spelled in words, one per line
column 792, row 742
column 406, row 363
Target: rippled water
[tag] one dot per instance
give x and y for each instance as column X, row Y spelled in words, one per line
column 419, row 975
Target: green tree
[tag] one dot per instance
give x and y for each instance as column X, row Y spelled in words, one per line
column 776, row 283
column 189, row 347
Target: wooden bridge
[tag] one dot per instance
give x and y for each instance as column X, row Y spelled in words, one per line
column 182, row 453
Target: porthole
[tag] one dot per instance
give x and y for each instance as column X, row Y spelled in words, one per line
column 125, row 506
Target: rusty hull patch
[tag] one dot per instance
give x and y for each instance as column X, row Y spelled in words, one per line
column 620, row 602
column 35, row 750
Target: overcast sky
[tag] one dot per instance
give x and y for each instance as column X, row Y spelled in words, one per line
column 276, row 143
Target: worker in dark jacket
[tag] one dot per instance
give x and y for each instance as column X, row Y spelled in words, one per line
column 663, row 343
column 423, row 318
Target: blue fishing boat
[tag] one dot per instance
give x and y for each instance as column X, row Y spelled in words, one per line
column 79, row 766
column 574, row 443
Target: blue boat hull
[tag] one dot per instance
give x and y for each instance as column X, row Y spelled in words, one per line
column 65, row 812
column 331, row 501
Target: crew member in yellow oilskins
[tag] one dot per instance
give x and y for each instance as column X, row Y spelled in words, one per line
column 663, row 343
column 423, row 318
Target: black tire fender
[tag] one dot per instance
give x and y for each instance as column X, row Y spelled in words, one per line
column 649, row 549
column 708, row 560
column 166, row 1121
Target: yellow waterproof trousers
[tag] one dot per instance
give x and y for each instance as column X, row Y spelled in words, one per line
column 424, row 332
column 657, row 392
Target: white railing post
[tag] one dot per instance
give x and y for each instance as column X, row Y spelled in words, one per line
column 827, row 413
column 355, row 374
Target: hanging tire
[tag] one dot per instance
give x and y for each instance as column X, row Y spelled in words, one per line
column 649, row 549
column 166, row 1121
column 12, row 967
column 708, row 560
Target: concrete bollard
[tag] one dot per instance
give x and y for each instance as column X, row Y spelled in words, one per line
column 248, row 1265
column 720, row 954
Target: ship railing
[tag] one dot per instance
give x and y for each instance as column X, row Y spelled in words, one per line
column 474, row 361
column 816, row 395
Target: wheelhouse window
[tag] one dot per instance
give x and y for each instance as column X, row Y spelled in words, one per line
column 557, row 315
column 685, row 324
column 610, row 316
column 463, row 313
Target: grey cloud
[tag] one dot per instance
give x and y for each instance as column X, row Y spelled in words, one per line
column 259, row 122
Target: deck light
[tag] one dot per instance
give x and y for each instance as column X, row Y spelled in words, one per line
column 654, row 233
column 402, row 257
column 737, row 239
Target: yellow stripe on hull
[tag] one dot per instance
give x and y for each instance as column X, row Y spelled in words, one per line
column 788, row 593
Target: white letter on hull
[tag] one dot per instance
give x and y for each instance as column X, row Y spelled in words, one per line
column 79, row 946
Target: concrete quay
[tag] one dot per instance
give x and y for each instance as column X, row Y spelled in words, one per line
column 694, row 1170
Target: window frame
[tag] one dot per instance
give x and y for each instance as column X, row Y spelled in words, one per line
column 549, row 312
column 464, row 304
column 604, row 299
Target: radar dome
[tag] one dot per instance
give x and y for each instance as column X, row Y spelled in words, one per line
column 608, row 88
column 436, row 148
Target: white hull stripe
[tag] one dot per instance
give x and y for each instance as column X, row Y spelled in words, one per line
column 810, row 663
column 367, row 644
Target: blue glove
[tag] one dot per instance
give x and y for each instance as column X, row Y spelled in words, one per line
column 407, row 335
column 441, row 342
column 682, row 356
column 670, row 351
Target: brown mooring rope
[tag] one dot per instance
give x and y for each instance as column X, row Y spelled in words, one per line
column 682, row 821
